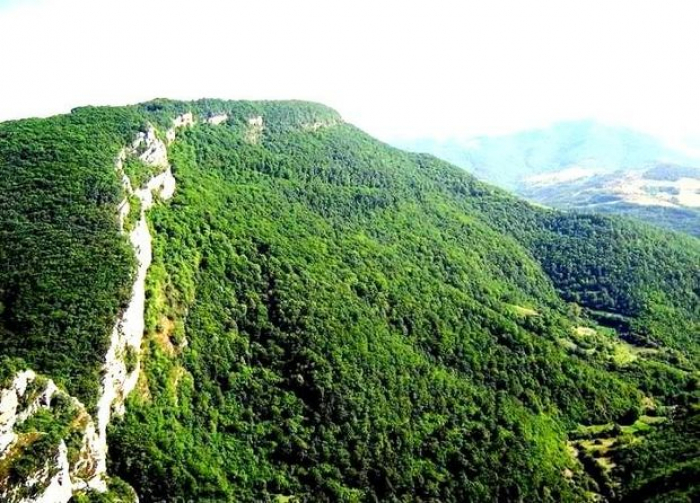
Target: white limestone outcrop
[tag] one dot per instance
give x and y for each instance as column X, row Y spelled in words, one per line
column 118, row 380
column 180, row 121
column 54, row 477
column 254, row 130
column 183, row 120
column 9, row 405
column 151, row 149
column 26, row 395
column 319, row 124
column 217, row 119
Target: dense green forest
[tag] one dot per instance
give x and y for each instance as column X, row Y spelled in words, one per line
column 332, row 319
column 64, row 270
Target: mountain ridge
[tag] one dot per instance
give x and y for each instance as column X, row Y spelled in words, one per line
column 330, row 318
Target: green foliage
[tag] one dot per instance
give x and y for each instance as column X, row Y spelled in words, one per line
column 54, row 423
column 331, row 319
column 138, row 171
column 134, row 214
column 664, row 465
column 118, row 491
column 131, row 359
column 350, row 335
column 64, row 269
column 32, row 458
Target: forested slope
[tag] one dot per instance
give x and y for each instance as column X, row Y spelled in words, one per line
column 64, row 269
column 332, row 319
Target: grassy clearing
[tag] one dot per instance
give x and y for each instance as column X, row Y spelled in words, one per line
column 594, row 430
column 582, row 331
column 653, row 419
column 625, row 353
column 598, row 446
column 606, row 463
column 595, row 446
column 524, row 311
column 605, row 343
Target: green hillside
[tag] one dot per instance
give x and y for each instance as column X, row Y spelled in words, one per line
column 64, row 269
column 332, row 319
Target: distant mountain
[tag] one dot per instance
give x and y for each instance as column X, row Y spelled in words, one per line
column 666, row 194
column 587, row 166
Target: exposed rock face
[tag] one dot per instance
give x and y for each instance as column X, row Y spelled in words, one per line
column 152, row 151
column 179, row 122
column 254, row 130
column 55, row 477
column 256, row 122
column 9, row 403
column 27, row 394
column 119, row 380
column 183, row 120
column 217, row 119
column 84, row 468
column 315, row 126
column 86, row 471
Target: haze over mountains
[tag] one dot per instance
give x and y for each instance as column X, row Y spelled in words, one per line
column 587, row 166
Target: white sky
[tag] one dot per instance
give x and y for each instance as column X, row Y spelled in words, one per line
column 395, row 68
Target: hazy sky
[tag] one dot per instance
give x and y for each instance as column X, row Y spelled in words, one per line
column 395, row 68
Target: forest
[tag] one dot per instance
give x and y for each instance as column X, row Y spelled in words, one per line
column 332, row 319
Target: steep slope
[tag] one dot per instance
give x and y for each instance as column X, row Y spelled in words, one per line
column 36, row 417
column 64, row 267
column 585, row 166
column 323, row 267
column 328, row 318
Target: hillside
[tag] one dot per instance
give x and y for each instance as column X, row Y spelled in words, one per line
column 585, row 166
column 326, row 318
